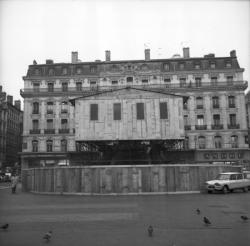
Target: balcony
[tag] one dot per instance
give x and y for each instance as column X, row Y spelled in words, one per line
column 63, row 131
column 187, row 127
column 216, row 106
column 199, row 106
column 49, row 111
column 231, row 105
column 49, row 131
column 35, row 131
column 217, row 127
column 234, row 126
column 200, row 127
column 175, row 86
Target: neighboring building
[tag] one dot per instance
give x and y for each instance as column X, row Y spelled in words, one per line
column 248, row 116
column 109, row 110
column 11, row 122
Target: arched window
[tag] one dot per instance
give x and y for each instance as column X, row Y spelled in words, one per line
column 64, row 145
column 234, row 141
column 217, row 142
column 35, row 108
column 34, row 146
column 49, row 145
column 202, row 142
column 64, row 107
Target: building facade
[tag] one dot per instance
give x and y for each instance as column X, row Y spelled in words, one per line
column 59, row 99
column 11, row 128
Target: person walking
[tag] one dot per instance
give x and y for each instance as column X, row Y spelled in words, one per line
column 14, row 182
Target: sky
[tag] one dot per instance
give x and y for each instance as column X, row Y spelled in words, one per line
column 52, row 29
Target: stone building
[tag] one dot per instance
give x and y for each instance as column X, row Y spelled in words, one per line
column 62, row 123
column 248, row 115
column 11, row 127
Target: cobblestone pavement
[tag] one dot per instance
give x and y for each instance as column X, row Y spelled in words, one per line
column 123, row 220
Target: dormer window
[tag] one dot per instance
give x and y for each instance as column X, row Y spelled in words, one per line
column 182, row 66
column 93, row 69
column 167, row 80
column 212, row 65
column 64, row 71
column 228, row 64
column 37, row 71
column 51, row 71
column 78, row 70
column 166, row 67
column 197, row 66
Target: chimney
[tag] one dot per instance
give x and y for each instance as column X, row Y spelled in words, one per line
column 10, row 99
column 233, row 53
column 1, row 88
column 147, row 54
column 186, row 52
column 74, row 56
column 107, row 55
column 18, row 104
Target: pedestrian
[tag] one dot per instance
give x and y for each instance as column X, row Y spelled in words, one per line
column 14, row 182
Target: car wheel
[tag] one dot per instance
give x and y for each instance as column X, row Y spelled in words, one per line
column 225, row 189
column 245, row 189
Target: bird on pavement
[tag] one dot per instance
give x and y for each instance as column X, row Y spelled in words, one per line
column 5, row 226
column 150, row 231
column 206, row 221
column 47, row 236
column 244, row 218
column 198, row 211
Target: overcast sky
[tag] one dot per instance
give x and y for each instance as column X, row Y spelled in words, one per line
column 40, row 30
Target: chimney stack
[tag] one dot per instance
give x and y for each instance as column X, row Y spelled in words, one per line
column 74, row 56
column 233, row 53
column 107, row 55
column 1, row 88
column 147, row 54
column 18, row 104
column 10, row 99
column 186, row 52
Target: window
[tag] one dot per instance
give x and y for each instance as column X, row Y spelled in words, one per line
column 78, row 70
column 64, row 86
column 182, row 82
column 50, row 87
column 185, row 104
column 212, row 65
column 232, row 119
column 217, row 142
column 166, row 67
column 214, row 80
column 50, row 124
column 186, row 143
column 140, row 111
column 50, row 107
column 216, row 118
column 34, row 146
column 64, row 107
column 202, row 142
column 93, row 111
column 92, row 82
column 215, row 101
column 167, row 80
column 49, row 145
column 64, row 124
column 65, row 71
column 37, row 71
column 36, row 87
column 200, row 120
column 51, row 71
column 130, row 79
column 114, row 82
column 144, row 81
column 163, row 110
column 229, row 79
column 64, row 145
column 117, row 111
column 231, row 102
column 199, row 103
column 246, row 139
column 182, row 66
column 228, row 64
column 198, row 82
column 35, row 124
column 93, row 69
column 35, row 108
column 185, row 120
column 78, row 86
column 197, row 66
column 234, row 141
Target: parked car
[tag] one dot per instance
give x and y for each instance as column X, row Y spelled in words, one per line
column 229, row 181
column 247, row 176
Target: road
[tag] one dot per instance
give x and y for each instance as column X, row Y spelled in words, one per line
column 123, row 220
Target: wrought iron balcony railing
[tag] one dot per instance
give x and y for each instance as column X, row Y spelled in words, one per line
column 201, row 127
column 35, row 131
column 217, row 127
column 63, row 130
column 187, row 127
column 234, row 126
column 49, row 131
column 89, row 89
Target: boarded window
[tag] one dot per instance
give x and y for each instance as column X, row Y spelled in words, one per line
column 163, row 110
column 140, row 111
column 117, row 111
column 93, row 111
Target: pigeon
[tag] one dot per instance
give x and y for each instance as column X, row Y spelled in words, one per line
column 150, row 231
column 5, row 226
column 47, row 236
column 244, row 218
column 198, row 211
column 206, row 221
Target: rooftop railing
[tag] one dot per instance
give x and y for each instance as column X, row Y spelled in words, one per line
column 179, row 86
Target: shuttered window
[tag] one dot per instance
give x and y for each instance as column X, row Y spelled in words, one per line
column 140, row 111
column 93, row 111
column 117, row 111
column 163, row 110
